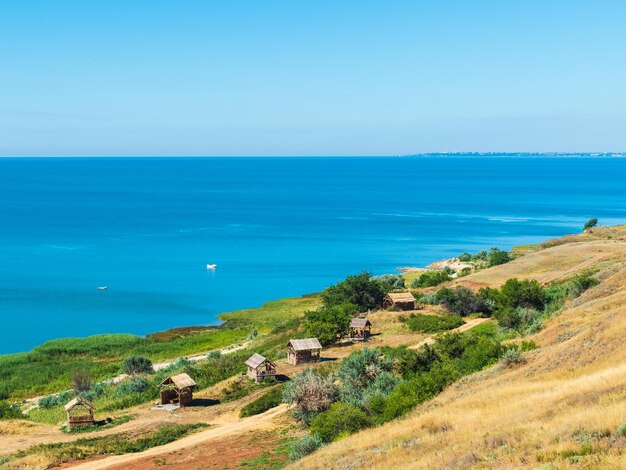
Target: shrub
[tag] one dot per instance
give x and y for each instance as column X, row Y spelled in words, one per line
column 511, row 357
column 390, row 282
column 462, row 301
column 358, row 372
column 527, row 293
column 10, row 411
column 310, row 392
column 361, row 290
column 497, row 256
column 55, row 400
column 465, row 257
column 431, row 278
column 253, row 334
column 271, row 399
column 214, row 355
column 132, row 386
column 590, row 223
column 81, row 380
column 304, row 446
column 433, row 323
column 340, row 418
column 135, row 365
column 464, row 272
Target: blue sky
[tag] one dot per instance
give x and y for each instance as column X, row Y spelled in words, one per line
column 311, row 78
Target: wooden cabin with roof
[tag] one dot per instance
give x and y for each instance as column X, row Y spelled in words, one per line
column 80, row 413
column 400, row 300
column 303, row 350
column 177, row 389
column 260, row 368
column 360, row 328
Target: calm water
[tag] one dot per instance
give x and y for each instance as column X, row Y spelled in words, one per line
column 276, row 227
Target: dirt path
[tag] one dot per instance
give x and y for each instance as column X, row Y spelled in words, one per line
column 217, row 432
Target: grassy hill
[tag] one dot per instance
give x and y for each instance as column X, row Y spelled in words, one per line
column 562, row 405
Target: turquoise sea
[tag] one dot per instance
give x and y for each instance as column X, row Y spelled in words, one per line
column 276, row 227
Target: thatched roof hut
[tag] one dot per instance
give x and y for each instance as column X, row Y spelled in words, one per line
column 260, row 368
column 360, row 328
column 401, row 300
column 177, row 389
column 303, row 350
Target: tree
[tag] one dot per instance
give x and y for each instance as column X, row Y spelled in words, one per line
column 329, row 323
column 390, row 282
column 497, row 256
column 527, row 293
column 590, row 223
column 461, row 301
column 360, row 290
column 135, row 365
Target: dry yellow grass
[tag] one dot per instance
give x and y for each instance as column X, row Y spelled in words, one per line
column 562, row 408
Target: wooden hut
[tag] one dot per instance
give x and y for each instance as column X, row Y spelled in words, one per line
column 260, row 368
column 360, row 328
column 303, row 350
column 177, row 389
column 80, row 413
column 401, row 300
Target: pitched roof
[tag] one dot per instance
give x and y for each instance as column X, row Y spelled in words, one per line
column 304, row 344
column 360, row 323
column 401, row 297
column 256, row 360
column 180, row 380
column 79, row 401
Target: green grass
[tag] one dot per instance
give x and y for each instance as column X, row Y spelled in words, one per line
column 116, row 444
column 433, row 323
column 269, row 400
column 48, row 368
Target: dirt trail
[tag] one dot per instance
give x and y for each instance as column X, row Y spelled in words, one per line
column 216, row 432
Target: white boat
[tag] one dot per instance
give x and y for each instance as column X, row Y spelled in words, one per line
column 103, row 287
column 211, row 267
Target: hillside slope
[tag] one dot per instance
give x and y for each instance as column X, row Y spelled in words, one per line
column 565, row 406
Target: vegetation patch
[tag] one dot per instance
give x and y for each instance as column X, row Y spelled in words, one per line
column 269, row 400
column 114, row 444
column 433, row 323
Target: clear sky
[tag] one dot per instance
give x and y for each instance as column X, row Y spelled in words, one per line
column 337, row 77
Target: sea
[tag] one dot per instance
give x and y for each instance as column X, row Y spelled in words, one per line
column 276, row 227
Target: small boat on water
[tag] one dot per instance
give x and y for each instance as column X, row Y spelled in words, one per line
column 102, row 287
column 211, row 267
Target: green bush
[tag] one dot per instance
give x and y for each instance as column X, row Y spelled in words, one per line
column 511, row 357
column 310, row 392
column 526, row 293
column 270, row 400
column 358, row 372
column 497, row 256
column 430, row 279
column 340, row 418
column 462, row 301
column 390, row 282
column 134, row 365
column 55, row 400
column 327, row 324
column 132, row 386
column 361, row 290
column 465, row 257
column 433, row 323
column 10, row 411
column 304, row 446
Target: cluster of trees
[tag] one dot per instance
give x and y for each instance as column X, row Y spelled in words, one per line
column 431, row 278
column 494, row 257
column 342, row 301
column 373, row 386
column 518, row 304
